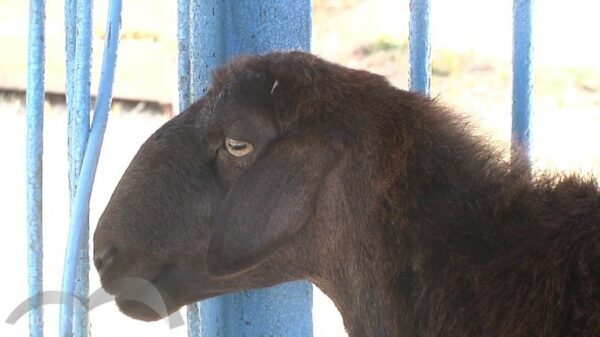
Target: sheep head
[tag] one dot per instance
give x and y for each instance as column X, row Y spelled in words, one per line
column 226, row 196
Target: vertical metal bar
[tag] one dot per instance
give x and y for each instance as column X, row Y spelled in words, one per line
column 205, row 52
column 35, row 125
column 70, row 9
column 284, row 310
column 522, row 81
column 183, row 38
column 78, row 49
column 78, row 131
column 85, row 182
column 221, row 30
column 184, row 81
column 259, row 26
column 79, row 111
column 419, row 48
column 194, row 321
column 206, row 43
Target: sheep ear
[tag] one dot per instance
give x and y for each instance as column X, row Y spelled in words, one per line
column 268, row 204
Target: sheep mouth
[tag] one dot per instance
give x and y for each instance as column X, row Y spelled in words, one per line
column 164, row 290
column 146, row 302
column 157, row 297
column 142, row 297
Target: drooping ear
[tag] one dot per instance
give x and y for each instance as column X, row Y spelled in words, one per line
column 268, row 204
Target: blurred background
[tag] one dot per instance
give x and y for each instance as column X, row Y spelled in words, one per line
column 471, row 52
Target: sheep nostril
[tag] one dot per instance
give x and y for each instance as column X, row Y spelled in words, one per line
column 104, row 258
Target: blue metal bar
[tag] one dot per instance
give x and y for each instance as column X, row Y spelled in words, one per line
column 79, row 83
column 206, row 43
column 184, row 66
column 201, row 40
column 184, row 72
column 283, row 310
column 35, row 126
column 78, row 131
column 194, row 321
column 70, row 9
column 259, row 26
column 185, row 83
column 522, row 81
column 419, row 48
column 78, row 49
column 80, row 207
column 218, row 31
column 183, row 38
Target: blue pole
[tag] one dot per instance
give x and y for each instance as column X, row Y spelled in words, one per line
column 85, row 181
column 185, row 80
column 522, row 81
column 284, row 310
column 207, row 47
column 70, row 9
column 419, row 48
column 78, row 50
column 220, row 30
column 78, row 29
column 35, row 125
column 261, row 26
column 78, row 80
column 183, row 38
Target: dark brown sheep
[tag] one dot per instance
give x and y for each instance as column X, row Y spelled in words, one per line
column 291, row 167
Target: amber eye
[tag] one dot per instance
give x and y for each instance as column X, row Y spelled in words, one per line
column 238, row 148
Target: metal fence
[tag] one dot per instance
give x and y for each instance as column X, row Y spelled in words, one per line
column 209, row 32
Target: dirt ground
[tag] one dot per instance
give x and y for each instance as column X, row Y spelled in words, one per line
column 471, row 55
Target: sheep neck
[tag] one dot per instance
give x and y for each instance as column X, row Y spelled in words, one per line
column 356, row 288
column 437, row 253
column 378, row 282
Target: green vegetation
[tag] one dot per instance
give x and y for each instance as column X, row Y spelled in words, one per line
column 384, row 44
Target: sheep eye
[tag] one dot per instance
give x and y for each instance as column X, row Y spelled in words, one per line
column 238, row 148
